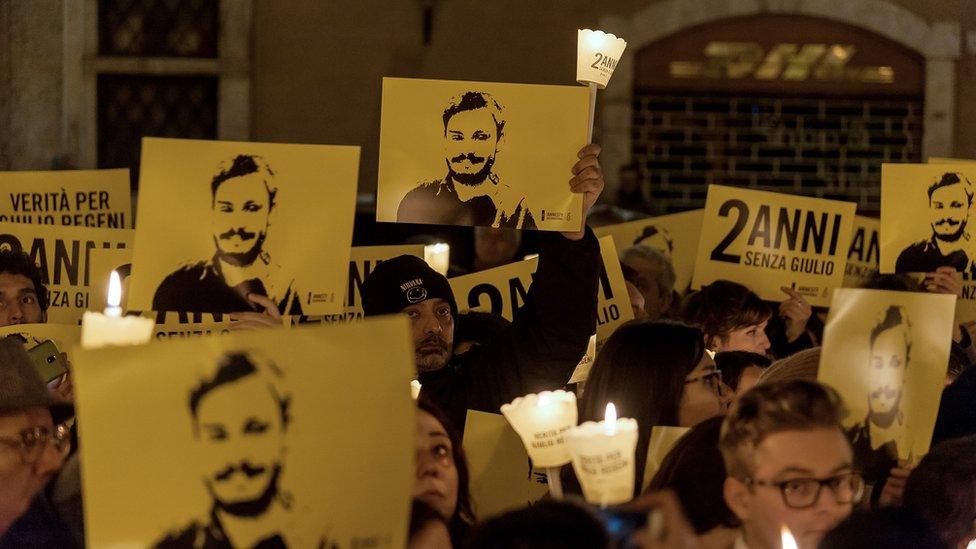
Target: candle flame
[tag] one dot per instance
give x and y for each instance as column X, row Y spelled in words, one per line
column 787, row 538
column 544, row 400
column 114, row 290
column 610, row 419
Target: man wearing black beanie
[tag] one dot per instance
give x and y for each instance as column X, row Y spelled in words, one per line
column 537, row 352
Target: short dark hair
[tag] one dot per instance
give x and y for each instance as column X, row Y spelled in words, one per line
column 235, row 366
column 723, row 307
column 947, row 475
column 951, row 178
column 770, row 408
column 241, row 165
column 474, row 100
column 894, row 316
column 888, row 527
column 733, row 363
column 17, row 262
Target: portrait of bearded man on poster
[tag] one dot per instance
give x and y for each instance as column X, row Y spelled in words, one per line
column 471, row 193
column 949, row 245
column 243, row 196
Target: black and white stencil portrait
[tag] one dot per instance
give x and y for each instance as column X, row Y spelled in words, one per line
column 483, row 154
column 246, row 440
column 230, row 227
column 926, row 211
column 886, row 354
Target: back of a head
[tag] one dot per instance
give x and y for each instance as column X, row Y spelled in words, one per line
column 544, row 525
column 802, row 365
column 642, row 369
column 887, row 527
column 733, row 363
column 694, row 470
column 770, row 408
column 947, row 475
column 722, row 307
column 661, row 264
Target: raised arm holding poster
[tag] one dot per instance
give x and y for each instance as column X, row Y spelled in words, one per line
column 674, row 235
column 63, row 255
column 480, row 153
column 220, row 220
column 886, row 353
column 257, row 439
column 769, row 240
column 82, row 198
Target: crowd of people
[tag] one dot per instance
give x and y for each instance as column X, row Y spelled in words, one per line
column 766, row 449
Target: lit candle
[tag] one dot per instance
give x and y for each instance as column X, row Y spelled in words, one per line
column 111, row 328
column 597, row 55
column 786, row 538
column 971, row 544
column 438, row 256
column 603, row 458
column 542, row 421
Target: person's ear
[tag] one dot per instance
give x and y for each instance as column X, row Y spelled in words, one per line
column 736, row 495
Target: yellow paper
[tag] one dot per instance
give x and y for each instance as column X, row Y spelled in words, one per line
column 65, row 336
column 502, row 477
column 362, row 260
column 919, row 233
column 101, row 264
column 966, row 305
column 502, row 290
column 676, row 235
column 912, row 384
column 768, row 240
column 146, row 464
column 862, row 257
column 296, row 246
column 663, row 439
column 461, row 173
column 63, row 255
column 81, row 198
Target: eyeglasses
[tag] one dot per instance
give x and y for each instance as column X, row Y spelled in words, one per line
column 800, row 493
column 30, row 443
column 713, row 380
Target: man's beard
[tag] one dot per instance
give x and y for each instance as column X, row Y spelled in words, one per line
column 240, row 259
column 432, row 361
column 248, row 508
column 952, row 237
column 470, row 178
column 885, row 419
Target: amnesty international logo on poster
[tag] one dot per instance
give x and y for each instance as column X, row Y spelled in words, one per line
column 886, row 353
column 221, row 220
column 267, row 440
column 768, row 240
column 480, row 153
column 674, row 235
column 63, row 255
column 81, row 198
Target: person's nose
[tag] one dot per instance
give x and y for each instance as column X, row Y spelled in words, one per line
column 764, row 342
column 426, row 465
column 15, row 312
column 432, row 325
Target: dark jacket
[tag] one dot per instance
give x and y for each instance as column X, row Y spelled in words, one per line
column 542, row 346
column 39, row 528
column 957, row 410
column 437, row 203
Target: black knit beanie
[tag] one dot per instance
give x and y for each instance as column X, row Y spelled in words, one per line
column 402, row 281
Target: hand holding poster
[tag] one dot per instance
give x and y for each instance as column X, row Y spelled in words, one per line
column 81, row 198
column 886, row 353
column 221, row 220
column 480, row 153
column 769, row 240
column 267, row 439
column 925, row 215
column 63, row 255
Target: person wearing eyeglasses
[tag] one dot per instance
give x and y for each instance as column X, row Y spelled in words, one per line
column 788, row 464
column 33, row 445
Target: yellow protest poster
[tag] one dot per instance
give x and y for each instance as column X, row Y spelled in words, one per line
column 502, row 477
column 502, row 290
column 886, row 353
column 862, row 256
column 925, row 215
column 259, row 438
column 80, row 198
column 675, row 235
column 663, row 439
column 769, row 240
column 101, row 263
column 362, row 260
column 65, row 336
column 219, row 220
column 63, row 256
column 173, row 325
column 480, row 153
